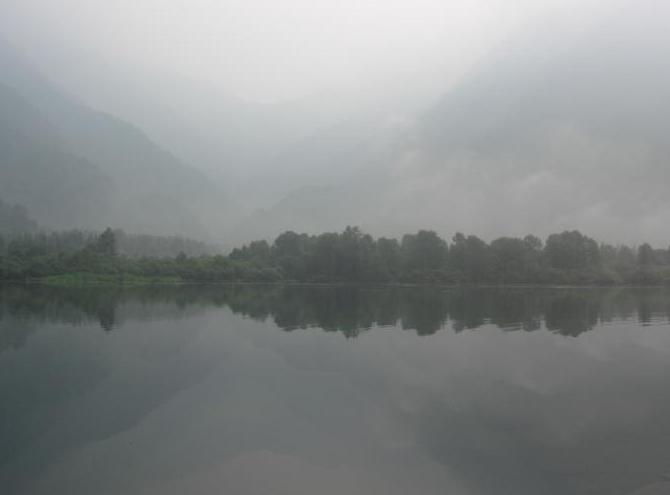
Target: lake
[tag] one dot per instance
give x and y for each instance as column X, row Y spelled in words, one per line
column 334, row 390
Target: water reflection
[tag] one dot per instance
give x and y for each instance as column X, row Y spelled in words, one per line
column 194, row 390
column 349, row 310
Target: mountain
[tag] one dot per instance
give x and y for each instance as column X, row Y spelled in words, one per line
column 558, row 129
column 73, row 166
column 558, row 132
column 225, row 137
column 343, row 172
column 257, row 152
column 39, row 170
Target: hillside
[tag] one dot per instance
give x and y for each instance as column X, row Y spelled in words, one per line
column 553, row 130
column 76, row 167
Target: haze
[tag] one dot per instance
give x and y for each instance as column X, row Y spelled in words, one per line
column 261, row 49
column 235, row 120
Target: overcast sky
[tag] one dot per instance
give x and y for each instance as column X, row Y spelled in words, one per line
column 271, row 49
column 563, row 107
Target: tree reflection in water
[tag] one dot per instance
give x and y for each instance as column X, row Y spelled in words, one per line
column 346, row 309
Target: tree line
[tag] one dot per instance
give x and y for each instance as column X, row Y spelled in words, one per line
column 569, row 257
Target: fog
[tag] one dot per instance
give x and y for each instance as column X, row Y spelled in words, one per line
column 234, row 120
column 260, row 49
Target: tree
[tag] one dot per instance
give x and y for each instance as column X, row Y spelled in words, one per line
column 106, row 243
column 424, row 250
column 256, row 251
column 645, row 255
column 533, row 254
column 508, row 259
column 571, row 250
column 389, row 257
column 356, row 252
column 324, row 260
column 469, row 258
column 290, row 251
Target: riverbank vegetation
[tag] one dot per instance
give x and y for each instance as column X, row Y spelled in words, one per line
column 568, row 257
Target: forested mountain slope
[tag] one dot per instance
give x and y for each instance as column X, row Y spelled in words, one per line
column 76, row 167
column 557, row 129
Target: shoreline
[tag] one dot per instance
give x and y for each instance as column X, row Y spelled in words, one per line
column 93, row 280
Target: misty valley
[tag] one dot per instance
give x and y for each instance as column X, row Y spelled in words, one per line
column 334, row 247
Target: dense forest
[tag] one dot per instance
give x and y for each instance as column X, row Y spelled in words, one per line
column 569, row 257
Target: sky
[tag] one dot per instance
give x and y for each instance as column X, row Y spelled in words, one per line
column 460, row 115
column 268, row 50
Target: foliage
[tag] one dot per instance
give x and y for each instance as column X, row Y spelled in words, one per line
column 567, row 258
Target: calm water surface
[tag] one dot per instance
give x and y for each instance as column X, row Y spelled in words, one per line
column 251, row 390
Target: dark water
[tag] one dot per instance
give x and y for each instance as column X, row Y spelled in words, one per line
column 248, row 390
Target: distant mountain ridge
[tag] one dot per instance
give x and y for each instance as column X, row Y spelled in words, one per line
column 555, row 130
column 76, row 167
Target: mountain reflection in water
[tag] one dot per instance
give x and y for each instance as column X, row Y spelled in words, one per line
column 197, row 390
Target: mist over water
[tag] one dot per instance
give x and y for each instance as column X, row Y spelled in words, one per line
column 152, row 153
column 297, row 390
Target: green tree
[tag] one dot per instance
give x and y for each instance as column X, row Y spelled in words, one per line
column 356, row 252
column 424, row 251
column 571, row 250
column 290, row 251
column 324, row 260
column 389, row 258
column 469, row 258
column 508, row 259
column 645, row 255
column 106, row 243
column 533, row 256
